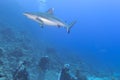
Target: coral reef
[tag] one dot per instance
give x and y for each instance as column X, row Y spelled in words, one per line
column 23, row 59
column 65, row 73
column 1, row 52
column 55, row 60
column 80, row 76
column 1, row 62
column 17, row 52
column 21, row 73
column 44, row 63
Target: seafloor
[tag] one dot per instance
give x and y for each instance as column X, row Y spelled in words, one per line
column 16, row 46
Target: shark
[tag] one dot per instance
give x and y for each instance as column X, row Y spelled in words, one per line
column 48, row 18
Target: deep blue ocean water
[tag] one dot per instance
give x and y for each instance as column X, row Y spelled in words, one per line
column 95, row 37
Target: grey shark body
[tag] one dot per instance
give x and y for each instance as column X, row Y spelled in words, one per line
column 48, row 18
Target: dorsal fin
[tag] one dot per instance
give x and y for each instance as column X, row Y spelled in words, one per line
column 51, row 11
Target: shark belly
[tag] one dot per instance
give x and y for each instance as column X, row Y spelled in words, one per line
column 49, row 22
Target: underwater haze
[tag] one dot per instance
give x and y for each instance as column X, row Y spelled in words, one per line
column 93, row 42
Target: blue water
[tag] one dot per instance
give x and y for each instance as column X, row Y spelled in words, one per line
column 95, row 37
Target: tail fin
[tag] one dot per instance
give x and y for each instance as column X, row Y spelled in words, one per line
column 70, row 26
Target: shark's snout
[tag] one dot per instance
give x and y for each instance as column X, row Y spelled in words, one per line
column 25, row 14
column 29, row 15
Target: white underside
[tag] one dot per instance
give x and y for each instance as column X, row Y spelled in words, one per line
column 45, row 21
column 49, row 22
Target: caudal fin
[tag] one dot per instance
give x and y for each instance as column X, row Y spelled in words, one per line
column 70, row 26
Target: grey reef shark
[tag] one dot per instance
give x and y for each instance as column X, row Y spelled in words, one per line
column 48, row 18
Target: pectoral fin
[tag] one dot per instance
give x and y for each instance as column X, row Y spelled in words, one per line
column 58, row 26
column 41, row 25
column 40, row 22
